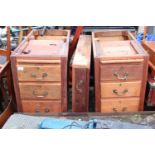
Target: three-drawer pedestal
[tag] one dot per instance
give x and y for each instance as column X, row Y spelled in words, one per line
column 120, row 72
column 39, row 67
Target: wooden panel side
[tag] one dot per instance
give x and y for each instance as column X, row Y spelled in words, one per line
column 111, row 38
column 53, row 32
column 64, row 84
column 109, row 33
column 15, row 83
column 23, row 44
column 80, row 74
column 94, row 47
column 97, row 85
column 144, row 82
column 83, row 52
column 52, row 38
column 151, row 51
column 80, row 89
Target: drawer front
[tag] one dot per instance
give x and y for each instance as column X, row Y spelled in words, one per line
column 40, row 91
column 120, row 89
column 120, row 105
column 41, row 106
column 39, row 72
column 121, row 72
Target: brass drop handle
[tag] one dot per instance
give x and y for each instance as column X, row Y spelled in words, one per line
column 78, row 85
column 40, row 96
column 114, row 109
column 39, row 78
column 120, row 77
column 120, row 74
column 124, row 109
column 115, row 91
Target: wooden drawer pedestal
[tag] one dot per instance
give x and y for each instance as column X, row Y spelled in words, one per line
column 120, row 72
column 39, row 67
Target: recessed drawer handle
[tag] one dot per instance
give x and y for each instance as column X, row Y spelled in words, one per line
column 115, row 91
column 40, row 96
column 124, row 77
column 39, row 78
